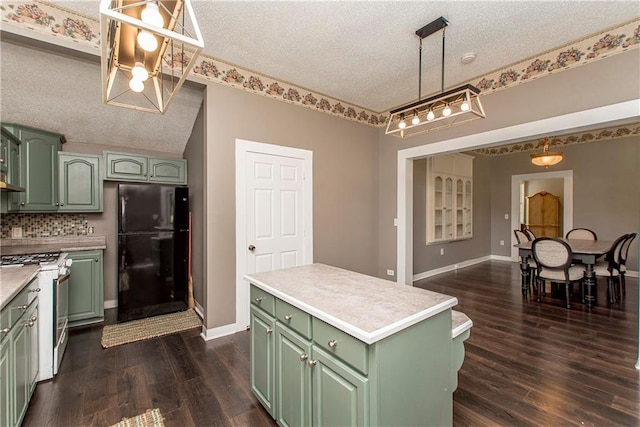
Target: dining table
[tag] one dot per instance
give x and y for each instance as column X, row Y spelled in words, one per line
column 584, row 251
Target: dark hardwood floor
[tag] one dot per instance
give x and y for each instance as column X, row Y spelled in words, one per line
column 526, row 364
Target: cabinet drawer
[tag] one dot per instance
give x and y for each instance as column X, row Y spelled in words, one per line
column 263, row 300
column 18, row 306
column 293, row 317
column 342, row 345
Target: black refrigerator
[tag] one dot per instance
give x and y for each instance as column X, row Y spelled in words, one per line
column 153, row 239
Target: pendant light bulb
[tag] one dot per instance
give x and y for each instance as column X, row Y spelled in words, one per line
column 430, row 115
column 402, row 124
column 415, row 120
column 147, row 41
column 447, row 111
column 139, row 72
column 136, row 85
column 151, row 15
column 464, row 106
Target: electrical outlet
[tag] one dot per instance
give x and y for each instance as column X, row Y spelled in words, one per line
column 390, row 272
column 501, row 242
column 506, row 216
column 441, row 251
column 16, row 232
column 395, row 222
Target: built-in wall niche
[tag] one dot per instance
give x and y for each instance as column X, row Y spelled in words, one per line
column 449, row 198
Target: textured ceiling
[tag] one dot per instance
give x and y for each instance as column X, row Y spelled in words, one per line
column 361, row 52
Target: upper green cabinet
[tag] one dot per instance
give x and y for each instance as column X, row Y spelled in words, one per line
column 137, row 168
column 80, row 184
column 38, row 172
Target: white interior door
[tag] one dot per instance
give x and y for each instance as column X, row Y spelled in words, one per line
column 275, row 191
column 274, row 213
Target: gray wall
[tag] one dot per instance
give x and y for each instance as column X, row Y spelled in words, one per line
column 107, row 222
column 194, row 153
column 608, row 81
column 427, row 257
column 344, row 185
column 606, row 194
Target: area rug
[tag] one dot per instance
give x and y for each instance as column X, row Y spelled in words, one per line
column 151, row 327
column 151, row 418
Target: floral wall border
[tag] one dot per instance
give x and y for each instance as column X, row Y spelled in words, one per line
column 604, row 134
column 41, row 20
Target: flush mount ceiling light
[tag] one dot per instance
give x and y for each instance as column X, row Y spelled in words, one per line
column 148, row 49
column 546, row 158
column 449, row 108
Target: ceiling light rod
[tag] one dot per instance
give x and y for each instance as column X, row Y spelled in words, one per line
column 446, row 109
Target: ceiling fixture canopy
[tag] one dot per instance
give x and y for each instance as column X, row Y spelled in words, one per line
column 546, row 158
column 148, row 49
column 455, row 106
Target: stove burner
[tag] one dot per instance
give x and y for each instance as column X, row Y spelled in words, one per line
column 43, row 258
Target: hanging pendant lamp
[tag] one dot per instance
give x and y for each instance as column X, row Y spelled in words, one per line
column 455, row 106
column 546, row 158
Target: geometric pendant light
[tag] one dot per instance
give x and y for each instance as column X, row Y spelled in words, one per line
column 148, row 49
column 455, row 106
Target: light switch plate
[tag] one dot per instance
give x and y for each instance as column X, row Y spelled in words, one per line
column 16, row 232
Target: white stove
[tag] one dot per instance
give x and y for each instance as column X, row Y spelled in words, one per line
column 53, row 306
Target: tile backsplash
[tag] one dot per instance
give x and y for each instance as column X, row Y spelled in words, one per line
column 45, row 225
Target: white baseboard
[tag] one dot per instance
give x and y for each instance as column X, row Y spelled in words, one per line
column 503, row 258
column 452, row 267
column 110, row 303
column 221, row 331
column 199, row 310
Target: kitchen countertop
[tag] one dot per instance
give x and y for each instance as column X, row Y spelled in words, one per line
column 13, row 280
column 365, row 307
column 52, row 244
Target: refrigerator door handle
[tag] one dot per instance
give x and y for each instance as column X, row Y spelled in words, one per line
column 123, row 212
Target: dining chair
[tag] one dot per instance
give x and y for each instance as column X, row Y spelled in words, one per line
column 521, row 237
column 609, row 267
column 553, row 257
column 624, row 254
column 529, row 234
column 581, row 233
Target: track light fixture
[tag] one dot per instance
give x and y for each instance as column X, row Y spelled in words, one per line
column 444, row 110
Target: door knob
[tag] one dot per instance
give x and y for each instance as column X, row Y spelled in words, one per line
column 252, row 248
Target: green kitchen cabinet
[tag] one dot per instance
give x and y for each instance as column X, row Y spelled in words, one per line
column 170, row 171
column 86, row 288
column 6, row 385
column 4, row 153
column 293, row 378
column 262, row 358
column 18, row 355
column 10, row 169
column 38, row 155
column 80, row 184
column 138, row 168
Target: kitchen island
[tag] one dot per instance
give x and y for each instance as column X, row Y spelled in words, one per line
column 334, row 347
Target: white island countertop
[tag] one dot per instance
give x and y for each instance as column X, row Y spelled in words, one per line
column 365, row 307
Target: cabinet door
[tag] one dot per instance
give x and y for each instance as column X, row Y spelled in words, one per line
column 20, row 343
column 293, row 378
column 80, row 184
column 168, row 171
column 6, row 385
column 86, row 295
column 39, row 171
column 125, row 167
column 4, row 153
column 262, row 358
column 340, row 394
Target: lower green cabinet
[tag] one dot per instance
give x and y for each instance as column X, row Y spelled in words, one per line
column 293, row 378
column 18, row 356
column 86, row 294
column 262, row 362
